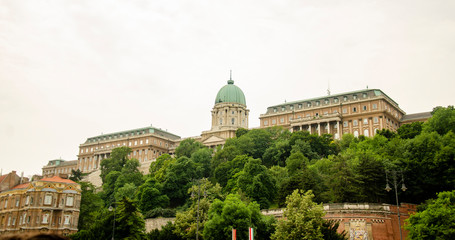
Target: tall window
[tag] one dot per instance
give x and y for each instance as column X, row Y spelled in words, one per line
column 232, row 121
column 355, row 123
column 48, row 199
column 69, row 201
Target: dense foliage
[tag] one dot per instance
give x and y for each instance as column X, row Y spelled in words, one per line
column 269, row 168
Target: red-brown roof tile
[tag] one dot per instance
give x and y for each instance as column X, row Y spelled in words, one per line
column 3, row 177
column 57, row 179
column 23, row 185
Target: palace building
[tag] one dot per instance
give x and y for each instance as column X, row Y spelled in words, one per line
column 359, row 113
column 228, row 115
column 146, row 144
column 49, row 205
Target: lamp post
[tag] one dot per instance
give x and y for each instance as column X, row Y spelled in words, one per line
column 198, row 184
column 113, row 225
column 395, row 186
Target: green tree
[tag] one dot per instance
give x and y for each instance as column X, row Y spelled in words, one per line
column 241, row 131
column 187, row 147
column 437, row 221
column 226, row 171
column 115, row 162
column 149, row 196
column 203, row 158
column 159, row 167
column 343, row 182
column 232, row 213
column 411, row 130
column 302, row 218
column 130, row 223
column 90, row 205
column 257, row 183
column 76, row 175
column 442, row 121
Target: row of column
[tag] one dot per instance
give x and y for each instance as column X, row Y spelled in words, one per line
column 318, row 128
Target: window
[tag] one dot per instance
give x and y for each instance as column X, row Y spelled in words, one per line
column 17, row 202
column 345, row 98
column 326, row 101
column 48, row 199
column 356, row 133
column 146, row 141
column 375, row 106
column 232, row 121
column 274, row 110
column 300, row 106
column 135, row 143
column 129, row 144
column 283, row 108
column 355, row 123
column 345, row 110
column 142, row 142
column 266, row 122
column 291, row 107
column 335, row 111
column 364, row 95
column 9, row 220
column 364, row 108
column 317, row 103
column 335, row 100
column 67, row 220
column 365, row 121
column 232, row 112
column 27, row 200
column 354, row 109
column 45, row 218
column 282, row 120
column 273, row 121
column 326, row 113
column 354, row 97
column 317, row 114
column 221, row 121
column 375, row 120
column 308, row 104
column 366, row 133
column 6, row 203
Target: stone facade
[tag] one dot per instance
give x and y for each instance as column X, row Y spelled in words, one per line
column 358, row 113
column 146, row 144
column 47, row 205
column 59, row 167
column 364, row 220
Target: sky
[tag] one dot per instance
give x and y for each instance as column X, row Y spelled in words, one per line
column 70, row 70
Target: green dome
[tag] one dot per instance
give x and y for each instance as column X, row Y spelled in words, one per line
column 230, row 94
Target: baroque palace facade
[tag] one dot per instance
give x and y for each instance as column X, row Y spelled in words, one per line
column 45, row 205
column 359, row 113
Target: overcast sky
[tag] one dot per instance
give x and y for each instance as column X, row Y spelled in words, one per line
column 70, row 70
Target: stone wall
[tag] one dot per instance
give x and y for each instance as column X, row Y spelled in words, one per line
column 156, row 223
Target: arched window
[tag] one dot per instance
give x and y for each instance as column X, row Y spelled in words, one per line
column 366, row 133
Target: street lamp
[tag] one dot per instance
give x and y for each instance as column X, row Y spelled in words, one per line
column 198, row 184
column 395, row 186
column 113, row 227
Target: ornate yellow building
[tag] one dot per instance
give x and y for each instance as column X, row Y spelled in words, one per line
column 47, row 205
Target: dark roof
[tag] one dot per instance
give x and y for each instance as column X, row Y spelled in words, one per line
column 134, row 132
column 416, row 116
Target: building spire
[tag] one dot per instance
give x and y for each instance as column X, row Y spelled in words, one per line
column 230, row 81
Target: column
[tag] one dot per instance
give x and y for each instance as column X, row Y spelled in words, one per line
column 309, row 128
column 319, row 129
column 328, row 127
column 338, row 129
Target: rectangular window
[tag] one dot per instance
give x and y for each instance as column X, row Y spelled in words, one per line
column 345, row 123
column 47, row 200
column 300, row 105
column 282, row 120
column 67, row 220
column 27, row 200
column 17, row 202
column 273, row 121
column 266, row 122
column 355, row 123
column 142, row 142
column 375, row 120
column 354, row 109
column 375, row 106
column 345, row 110
column 45, row 218
column 69, row 201
column 6, row 203
column 365, row 121
column 364, row 108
